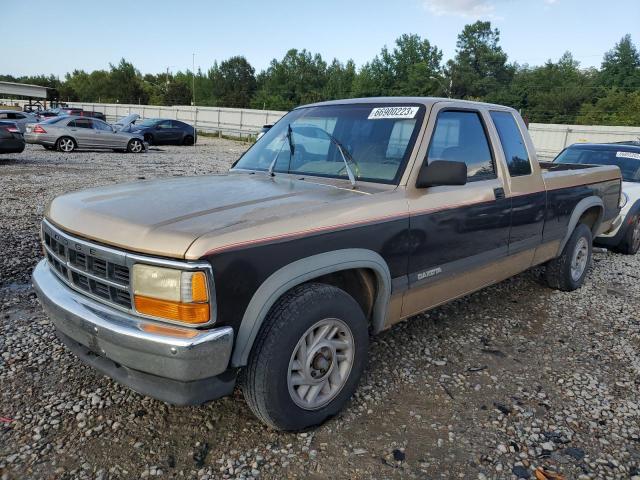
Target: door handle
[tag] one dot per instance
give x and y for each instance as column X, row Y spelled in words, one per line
column 499, row 193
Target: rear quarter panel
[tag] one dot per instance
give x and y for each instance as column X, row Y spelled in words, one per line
column 566, row 188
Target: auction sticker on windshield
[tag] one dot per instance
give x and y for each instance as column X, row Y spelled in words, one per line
column 635, row 156
column 380, row 113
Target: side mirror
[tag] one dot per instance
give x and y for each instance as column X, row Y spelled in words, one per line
column 441, row 172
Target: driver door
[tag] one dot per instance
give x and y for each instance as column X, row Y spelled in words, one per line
column 456, row 232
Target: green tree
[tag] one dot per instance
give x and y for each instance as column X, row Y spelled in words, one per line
column 480, row 66
column 298, row 78
column 125, row 83
column 621, row 65
column 340, row 78
column 412, row 68
column 552, row 93
column 615, row 108
column 233, row 82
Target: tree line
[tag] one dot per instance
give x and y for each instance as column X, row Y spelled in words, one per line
column 556, row 92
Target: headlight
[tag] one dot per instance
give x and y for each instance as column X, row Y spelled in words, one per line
column 171, row 294
column 624, row 198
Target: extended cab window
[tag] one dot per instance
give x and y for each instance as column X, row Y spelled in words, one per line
column 515, row 151
column 459, row 136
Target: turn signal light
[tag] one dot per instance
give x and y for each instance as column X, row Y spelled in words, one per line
column 181, row 312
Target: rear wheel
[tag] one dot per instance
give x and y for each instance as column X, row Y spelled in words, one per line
column 307, row 359
column 631, row 240
column 65, row 144
column 568, row 271
column 135, row 146
column 188, row 140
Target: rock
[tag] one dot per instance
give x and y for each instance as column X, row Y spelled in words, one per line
column 398, row 455
column 521, row 472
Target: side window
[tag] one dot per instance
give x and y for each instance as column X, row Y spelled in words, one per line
column 165, row 124
column 515, row 151
column 83, row 123
column 459, row 136
column 101, row 125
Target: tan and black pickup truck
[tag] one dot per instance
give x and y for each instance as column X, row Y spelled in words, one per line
column 343, row 219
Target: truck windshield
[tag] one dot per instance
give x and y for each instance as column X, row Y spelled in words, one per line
column 628, row 162
column 376, row 138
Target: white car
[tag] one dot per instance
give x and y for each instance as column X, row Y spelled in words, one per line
column 624, row 234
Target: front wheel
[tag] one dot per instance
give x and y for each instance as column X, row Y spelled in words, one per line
column 630, row 242
column 568, row 271
column 307, row 359
column 188, row 140
column 135, row 146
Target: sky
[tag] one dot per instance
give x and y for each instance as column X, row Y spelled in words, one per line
column 57, row 37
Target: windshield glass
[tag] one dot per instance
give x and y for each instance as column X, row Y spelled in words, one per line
column 54, row 120
column 149, row 122
column 376, row 138
column 628, row 162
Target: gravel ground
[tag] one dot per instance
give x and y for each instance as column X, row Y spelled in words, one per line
column 512, row 379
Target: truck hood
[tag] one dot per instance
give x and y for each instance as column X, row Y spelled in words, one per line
column 164, row 217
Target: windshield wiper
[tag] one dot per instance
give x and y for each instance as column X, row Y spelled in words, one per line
column 345, row 155
column 292, row 149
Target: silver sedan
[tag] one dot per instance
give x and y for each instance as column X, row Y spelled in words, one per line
column 69, row 133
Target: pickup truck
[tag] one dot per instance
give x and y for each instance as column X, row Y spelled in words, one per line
column 343, row 219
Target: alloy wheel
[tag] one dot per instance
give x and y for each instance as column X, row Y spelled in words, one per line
column 321, row 363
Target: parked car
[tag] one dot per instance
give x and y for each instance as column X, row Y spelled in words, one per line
column 624, row 234
column 159, row 131
column 21, row 119
column 70, row 132
column 47, row 114
column 346, row 217
column 67, row 111
column 263, row 130
column 11, row 138
column 98, row 115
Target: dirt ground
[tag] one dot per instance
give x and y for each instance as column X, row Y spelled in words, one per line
column 514, row 378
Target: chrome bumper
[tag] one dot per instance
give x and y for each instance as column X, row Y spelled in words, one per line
column 182, row 354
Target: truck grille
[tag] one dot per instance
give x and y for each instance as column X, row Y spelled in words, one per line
column 99, row 272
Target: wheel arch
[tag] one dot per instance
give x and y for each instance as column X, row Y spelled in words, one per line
column 589, row 211
column 305, row 270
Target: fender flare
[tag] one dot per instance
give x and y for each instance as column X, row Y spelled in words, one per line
column 302, row 271
column 582, row 206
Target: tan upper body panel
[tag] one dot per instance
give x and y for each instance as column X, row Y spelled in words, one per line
column 165, row 217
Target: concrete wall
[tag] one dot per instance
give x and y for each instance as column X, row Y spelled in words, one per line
column 550, row 139
column 228, row 121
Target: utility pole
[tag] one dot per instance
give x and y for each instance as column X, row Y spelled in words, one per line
column 193, row 79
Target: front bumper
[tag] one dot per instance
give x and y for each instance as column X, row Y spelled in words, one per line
column 178, row 365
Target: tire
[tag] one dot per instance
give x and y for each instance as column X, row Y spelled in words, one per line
column 568, row 271
column 630, row 242
column 268, row 380
column 135, row 146
column 188, row 140
column 66, row 144
column 148, row 138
